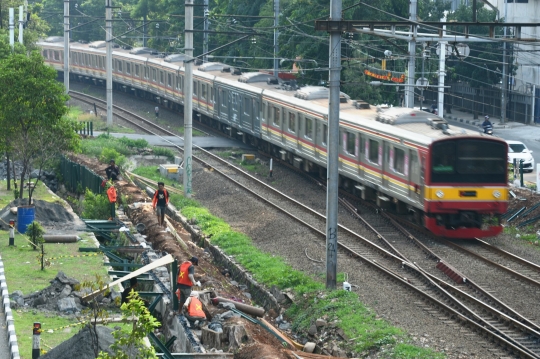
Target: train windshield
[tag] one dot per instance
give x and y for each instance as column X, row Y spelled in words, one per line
column 468, row 161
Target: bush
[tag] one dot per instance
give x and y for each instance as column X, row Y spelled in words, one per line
column 108, row 154
column 163, row 151
column 96, row 206
column 140, row 143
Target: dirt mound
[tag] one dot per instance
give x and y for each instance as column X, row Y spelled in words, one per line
column 527, row 200
column 80, row 345
column 260, row 351
column 50, row 215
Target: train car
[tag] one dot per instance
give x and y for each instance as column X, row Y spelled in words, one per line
column 452, row 181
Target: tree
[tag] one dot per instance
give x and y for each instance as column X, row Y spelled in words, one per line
column 131, row 345
column 33, row 108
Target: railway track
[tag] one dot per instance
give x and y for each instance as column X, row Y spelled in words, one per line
column 385, row 253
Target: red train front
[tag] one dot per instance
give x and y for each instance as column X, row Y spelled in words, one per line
column 466, row 186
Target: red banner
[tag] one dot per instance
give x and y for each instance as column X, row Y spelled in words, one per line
column 379, row 74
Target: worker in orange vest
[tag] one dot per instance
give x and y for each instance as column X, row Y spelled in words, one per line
column 193, row 307
column 186, row 280
column 111, row 193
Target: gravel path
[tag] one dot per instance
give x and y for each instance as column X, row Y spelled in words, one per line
column 276, row 234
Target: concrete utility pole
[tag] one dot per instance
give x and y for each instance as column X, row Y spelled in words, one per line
column 276, row 35
column 205, row 33
column 409, row 90
column 504, row 83
column 333, row 147
column 442, row 72
column 188, row 98
column 11, row 28
column 21, row 24
column 109, row 65
column 66, row 45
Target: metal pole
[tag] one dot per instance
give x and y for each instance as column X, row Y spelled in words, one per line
column 108, row 28
column 532, row 107
column 409, row 90
column 188, row 98
column 205, row 33
column 422, row 81
column 66, row 45
column 11, row 28
column 504, row 79
column 442, row 73
column 276, row 35
column 333, row 148
column 21, row 23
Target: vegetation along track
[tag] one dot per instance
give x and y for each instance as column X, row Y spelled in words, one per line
column 519, row 336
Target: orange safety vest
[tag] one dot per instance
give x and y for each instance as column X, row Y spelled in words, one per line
column 111, row 193
column 183, row 274
column 195, row 308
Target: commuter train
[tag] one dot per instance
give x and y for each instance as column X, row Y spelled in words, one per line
column 452, row 181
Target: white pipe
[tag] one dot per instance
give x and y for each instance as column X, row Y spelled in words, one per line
column 11, row 27
column 442, row 72
column 21, row 23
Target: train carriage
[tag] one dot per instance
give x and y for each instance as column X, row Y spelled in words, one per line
column 452, row 181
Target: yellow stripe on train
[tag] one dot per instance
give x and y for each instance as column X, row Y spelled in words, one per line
column 470, row 194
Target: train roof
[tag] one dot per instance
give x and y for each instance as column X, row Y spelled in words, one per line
column 413, row 125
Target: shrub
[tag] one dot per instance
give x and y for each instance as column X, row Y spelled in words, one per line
column 108, row 154
column 96, row 206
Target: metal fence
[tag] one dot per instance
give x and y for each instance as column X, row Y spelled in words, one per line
column 75, row 175
column 487, row 101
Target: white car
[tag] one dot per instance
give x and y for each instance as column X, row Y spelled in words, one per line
column 517, row 150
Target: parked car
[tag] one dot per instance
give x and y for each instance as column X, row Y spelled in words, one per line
column 517, row 150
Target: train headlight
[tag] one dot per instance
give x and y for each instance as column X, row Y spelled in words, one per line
column 439, row 194
column 496, row 194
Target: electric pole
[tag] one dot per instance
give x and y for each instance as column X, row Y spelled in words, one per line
column 332, row 150
column 276, row 35
column 409, row 90
column 66, row 45
column 109, row 65
column 188, row 98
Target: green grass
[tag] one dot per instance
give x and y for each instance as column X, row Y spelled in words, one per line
column 152, row 172
column 21, row 263
column 357, row 321
column 40, row 192
column 98, row 124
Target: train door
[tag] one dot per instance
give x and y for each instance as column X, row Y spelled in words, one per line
column 388, row 155
column 360, row 139
column 203, row 105
column 256, row 118
column 301, row 131
column 414, row 174
column 246, row 113
column 234, row 107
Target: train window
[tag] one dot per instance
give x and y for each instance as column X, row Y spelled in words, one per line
column 86, row 60
column 308, row 128
column 372, row 148
column 93, row 60
column 194, row 89
column 146, row 72
column 204, row 93
column 277, row 117
column 136, row 70
column 119, row 66
column 268, row 112
column 469, row 161
column 222, row 98
column 212, row 96
column 399, row 160
column 45, row 54
column 351, row 143
column 255, row 108
column 56, row 55
column 161, row 77
column 154, row 75
column 128, row 68
column 178, row 83
column 169, row 80
column 292, row 122
column 325, row 135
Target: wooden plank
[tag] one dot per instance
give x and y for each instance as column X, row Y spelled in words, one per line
column 304, row 355
column 159, row 263
column 278, row 332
